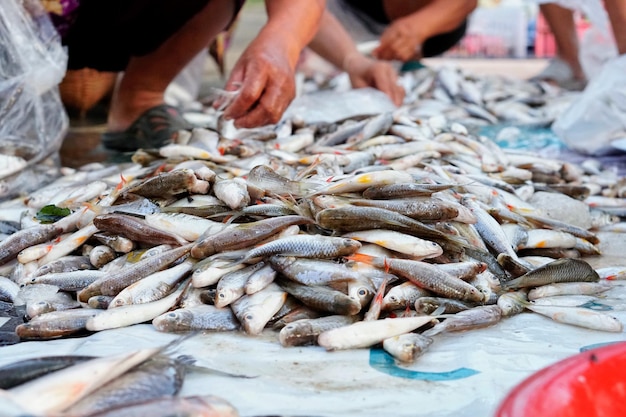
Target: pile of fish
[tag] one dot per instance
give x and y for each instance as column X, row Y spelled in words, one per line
column 474, row 100
column 389, row 229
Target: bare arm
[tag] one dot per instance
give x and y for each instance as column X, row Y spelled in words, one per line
column 265, row 71
column 333, row 43
column 402, row 40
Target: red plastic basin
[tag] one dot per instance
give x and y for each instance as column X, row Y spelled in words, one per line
column 589, row 384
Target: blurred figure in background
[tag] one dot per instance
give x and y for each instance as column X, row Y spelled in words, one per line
column 566, row 70
column 151, row 41
column 407, row 30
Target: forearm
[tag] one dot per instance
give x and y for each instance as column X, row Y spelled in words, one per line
column 441, row 16
column 292, row 23
column 332, row 42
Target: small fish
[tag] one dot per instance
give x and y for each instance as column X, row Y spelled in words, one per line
column 312, row 271
column 19, row 372
column 377, row 303
column 562, row 270
column 413, row 247
column 361, row 182
column 56, row 324
column 244, row 235
column 581, row 317
column 18, row 241
column 322, row 298
column 260, row 279
column 64, row 264
column 209, row 271
column 233, row 192
column 266, row 179
column 403, row 295
column 197, row 317
column 231, row 286
column 168, row 183
column 513, row 302
column 127, row 315
column 153, row 287
column 69, row 281
column 426, row 276
column 427, row 305
column 407, row 347
column 135, row 229
column 101, row 255
column 113, row 283
column 306, row 246
column 305, row 331
column 475, row 318
column 56, row 302
column 569, row 288
column 159, row 376
column 59, row 390
column 69, row 244
column 256, row 310
column 9, row 290
column 367, row 333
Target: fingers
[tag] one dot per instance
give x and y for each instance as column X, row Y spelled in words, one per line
column 396, row 48
column 267, row 89
column 386, row 80
column 252, row 87
column 271, row 106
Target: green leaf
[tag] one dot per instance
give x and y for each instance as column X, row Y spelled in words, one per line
column 51, row 213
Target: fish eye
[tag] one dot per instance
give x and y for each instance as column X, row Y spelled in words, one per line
column 221, row 295
column 172, row 314
column 249, row 317
column 362, row 292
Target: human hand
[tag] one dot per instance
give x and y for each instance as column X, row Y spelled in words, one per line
column 366, row 72
column 266, row 83
column 400, row 41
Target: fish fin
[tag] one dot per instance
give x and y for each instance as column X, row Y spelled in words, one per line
column 439, row 310
column 361, row 257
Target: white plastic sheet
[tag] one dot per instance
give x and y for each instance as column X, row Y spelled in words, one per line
column 331, row 106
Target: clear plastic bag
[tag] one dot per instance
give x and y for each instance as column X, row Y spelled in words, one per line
column 33, row 121
column 595, row 124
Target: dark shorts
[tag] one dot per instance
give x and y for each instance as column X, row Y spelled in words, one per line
column 366, row 20
column 439, row 44
column 107, row 33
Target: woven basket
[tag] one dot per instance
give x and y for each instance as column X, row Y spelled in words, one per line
column 82, row 89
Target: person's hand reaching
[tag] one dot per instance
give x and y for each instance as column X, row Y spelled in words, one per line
column 367, row 72
column 266, row 83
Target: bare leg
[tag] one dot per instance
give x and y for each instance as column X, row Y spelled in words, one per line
column 561, row 22
column 146, row 77
column 617, row 14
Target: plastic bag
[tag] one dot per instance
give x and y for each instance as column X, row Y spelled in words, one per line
column 33, row 121
column 598, row 118
column 329, row 106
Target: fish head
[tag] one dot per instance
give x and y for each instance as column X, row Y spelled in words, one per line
column 252, row 324
column 38, row 308
column 224, row 296
column 348, row 246
column 173, row 321
column 362, row 291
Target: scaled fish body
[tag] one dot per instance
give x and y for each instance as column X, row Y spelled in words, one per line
column 562, row 270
